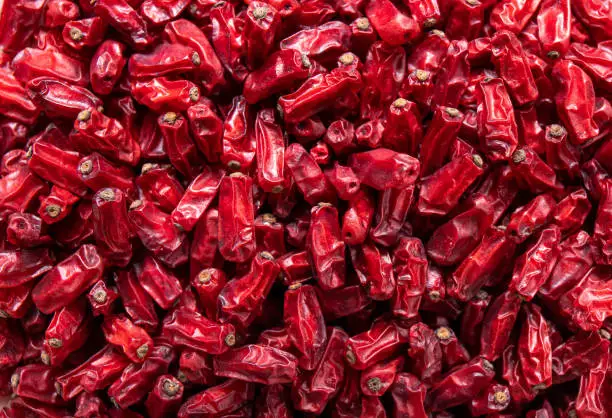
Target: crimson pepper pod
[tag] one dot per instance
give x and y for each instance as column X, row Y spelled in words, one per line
column 31, row 63
column 444, row 126
column 36, row 382
column 380, row 342
column 441, row 191
column 165, row 398
column 179, row 146
column 452, row 78
column 322, row 43
column 357, row 219
column 158, row 234
column 159, row 184
column 112, row 227
column 225, row 398
column 587, row 303
column 594, row 17
column 408, row 394
column 534, row 349
column 513, row 67
column 230, row 49
column 206, row 130
column 196, row 368
column 194, row 331
column 575, row 100
column 137, row 379
column 57, row 166
column 497, row 127
column 494, row 399
column 531, row 132
column 205, row 245
column 466, row 18
column 532, row 172
column 270, row 152
column 101, row 298
column 579, row 354
column 236, row 220
column 314, row 94
column 25, row 230
column 258, row 364
column 325, row 246
column 383, row 168
column 84, row 33
column 209, row 70
column 15, row 302
column 14, row 102
column 312, row 391
column 162, row 94
column 410, row 265
column 425, row 353
column 528, row 219
column 461, row 384
column 98, row 173
column 572, row 211
column 602, row 236
column 67, row 332
column 393, row 26
column 241, row 300
column 391, row 213
column 134, row 341
column 239, row 141
column 374, row 269
column 96, row 373
column 158, row 13
column 305, row 324
column 160, row 283
column 273, row 402
column 136, row 301
column 497, row 325
column 124, row 19
column 68, row 279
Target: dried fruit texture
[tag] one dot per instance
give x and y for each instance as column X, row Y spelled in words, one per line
column 283, row 208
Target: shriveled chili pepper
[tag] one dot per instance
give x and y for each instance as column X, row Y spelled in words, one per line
column 56, row 165
column 410, row 264
column 136, row 301
column 68, row 280
column 225, row 398
column 532, row 172
column 31, row 63
column 602, row 236
column 425, row 353
column 534, row 349
column 357, row 218
column 125, row 20
column 241, row 299
column 101, row 298
column 137, row 379
column 466, row 19
column 494, row 399
column 163, row 94
column 579, row 354
column 204, row 248
column 97, row 173
column 165, row 398
column 67, row 332
column 157, row 233
column 96, row 373
column 195, row 368
column 461, row 384
column 586, row 304
column 159, row 184
column 36, row 382
column 528, row 219
column 227, row 39
column 323, row 43
column 393, row 26
column 380, row 342
column 575, row 100
column 258, row 364
column 15, row 302
column 409, row 394
column 512, row 66
column 61, row 99
column 497, row 127
column 134, row 341
column 181, row 150
column 193, row 330
column 498, row 323
column 326, row 247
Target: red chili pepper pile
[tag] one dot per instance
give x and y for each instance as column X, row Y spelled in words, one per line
column 283, row 208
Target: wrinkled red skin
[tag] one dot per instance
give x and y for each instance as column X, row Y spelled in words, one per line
column 196, row 199
column 239, row 143
column 586, row 303
column 602, row 235
column 408, row 394
column 534, row 349
column 165, row 398
column 225, row 398
column 67, row 332
column 258, row 364
column 137, row 302
column 410, row 265
column 380, row 342
column 393, row 26
column 160, row 185
column 325, row 246
column 425, row 353
column 498, row 322
column 84, row 33
column 466, row 19
column 159, row 282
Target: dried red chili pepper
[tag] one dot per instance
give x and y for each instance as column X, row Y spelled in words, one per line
column 322, row 43
column 528, row 219
column 393, row 26
column 410, row 265
column 196, row 368
column 513, row 68
column 532, row 172
column 84, row 33
column 313, row 95
column 325, row 246
column 67, row 332
column 575, row 99
column 241, row 299
column 497, row 127
column 31, row 63
column 444, row 126
column 357, row 218
column 273, row 401
column 165, row 398
column 157, row 233
column 534, row 349
column 586, row 304
column 68, row 279
column 498, row 323
column 159, row 184
column 59, row 98
column 36, row 382
column 134, row 341
column 425, row 353
column 602, row 236
column 96, row 373
column 136, row 301
column 579, row 354
column 162, row 94
column 380, row 342
column 125, row 20
column 440, row 192
column 112, row 227
column 227, row 39
column 225, row 398
column 375, row 270
column 15, row 302
column 465, row 19
column 258, row 364
column 101, row 298
column 193, row 330
column 554, row 27
column 513, row 15
column 204, row 248
column 57, row 166
column 494, row 399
